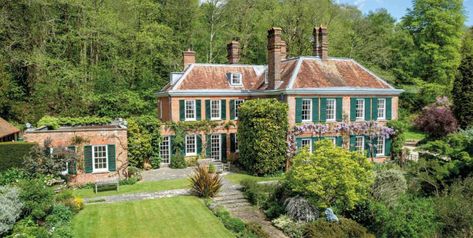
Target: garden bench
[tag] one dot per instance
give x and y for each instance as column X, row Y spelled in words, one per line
column 109, row 181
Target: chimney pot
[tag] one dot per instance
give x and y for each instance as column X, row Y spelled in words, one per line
column 188, row 57
column 274, row 56
column 233, row 52
column 315, row 44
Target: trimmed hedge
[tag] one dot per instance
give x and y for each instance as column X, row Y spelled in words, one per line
column 12, row 153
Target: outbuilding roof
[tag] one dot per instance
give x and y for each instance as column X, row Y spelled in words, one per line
column 6, row 128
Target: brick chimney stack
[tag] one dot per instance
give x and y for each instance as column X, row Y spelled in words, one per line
column 274, row 56
column 283, row 50
column 323, row 43
column 315, row 44
column 188, row 57
column 233, row 52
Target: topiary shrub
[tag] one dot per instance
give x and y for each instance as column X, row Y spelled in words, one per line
column 388, row 186
column 344, row 228
column 262, row 130
column 299, row 209
column 10, row 208
column 205, row 184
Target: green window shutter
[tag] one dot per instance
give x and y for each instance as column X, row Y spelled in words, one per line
column 232, row 109
column 375, row 109
column 182, row 115
column 314, row 141
column 298, row 110
column 88, row 159
column 207, row 109
column 199, row 144
column 198, row 110
column 112, row 159
column 315, row 109
column 375, row 150
column 223, row 107
column 367, row 109
column 232, row 142
column 352, row 109
column 323, row 109
column 72, row 167
column 299, row 143
column 208, row 145
column 367, row 146
column 339, row 109
column 387, row 145
column 224, row 147
column 389, row 108
column 352, row 142
column 339, row 141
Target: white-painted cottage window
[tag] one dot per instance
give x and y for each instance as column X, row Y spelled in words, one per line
column 237, row 105
column 381, row 108
column 307, row 143
column 306, row 110
column 359, row 143
column 236, row 79
column 380, row 146
column 164, row 150
column 191, row 145
column 360, row 109
column 331, row 109
column 215, row 110
column 190, row 110
column 100, row 155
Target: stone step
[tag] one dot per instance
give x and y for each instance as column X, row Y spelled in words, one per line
column 226, row 202
column 229, row 199
column 237, row 205
column 229, row 194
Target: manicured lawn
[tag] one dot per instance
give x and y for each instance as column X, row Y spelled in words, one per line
column 183, row 216
column 153, row 186
column 414, row 134
column 238, row 177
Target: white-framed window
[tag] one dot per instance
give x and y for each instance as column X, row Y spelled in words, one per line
column 215, row 110
column 331, row 109
column 333, row 140
column 360, row 109
column 380, row 146
column 191, row 145
column 360, row 144
column 237, row 105
column 236, row 79
column 164, row 150
column 307, row 142
column 381, row 108
column 306, row 110
column 215, row 147
column 190, row 110
column 100, row 158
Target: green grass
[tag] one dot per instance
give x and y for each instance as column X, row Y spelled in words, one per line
column 414, row 134
column 153, row 186
column 236, row 178
column 183, row 216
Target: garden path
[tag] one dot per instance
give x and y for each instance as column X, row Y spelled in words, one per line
column 233, row 200
column 166, row 173
column 138, row 196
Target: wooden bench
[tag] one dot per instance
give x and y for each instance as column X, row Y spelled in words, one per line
column 109, row 181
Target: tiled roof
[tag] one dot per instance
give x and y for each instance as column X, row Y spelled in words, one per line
column 296, row 73
column 6, row 128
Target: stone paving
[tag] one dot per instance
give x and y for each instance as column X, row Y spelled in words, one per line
column 166, row 174
column 138, row 196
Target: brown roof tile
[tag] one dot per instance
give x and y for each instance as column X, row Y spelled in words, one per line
column 6, row 128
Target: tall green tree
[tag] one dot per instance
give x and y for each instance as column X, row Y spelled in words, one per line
column 463, row 85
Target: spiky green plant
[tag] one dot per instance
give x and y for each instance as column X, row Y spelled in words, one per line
column 205, row 184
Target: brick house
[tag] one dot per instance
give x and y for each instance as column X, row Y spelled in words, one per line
column 318, row 89
column 101, row 150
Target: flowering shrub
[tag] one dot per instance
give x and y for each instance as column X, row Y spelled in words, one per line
column 437, row 119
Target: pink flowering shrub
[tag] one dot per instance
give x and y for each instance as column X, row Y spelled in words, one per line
column 437, row 119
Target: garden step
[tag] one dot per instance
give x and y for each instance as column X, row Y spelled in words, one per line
column 233, row 195
column 226, row 202
column 237, row 204
column 238, row 211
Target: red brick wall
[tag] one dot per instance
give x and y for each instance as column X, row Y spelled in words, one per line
column 62, row 138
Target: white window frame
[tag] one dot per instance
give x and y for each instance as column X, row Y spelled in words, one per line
column 237, row 104
column 238, row 77
column 212, row 137
column 362, row 148
column 309, row 143
column 381, row 138
column 100, row 170
column 334, row 140
column 362, row 117
column 383, row 117
column 309, row 109
column 334, row 110
column 187, row 117
column 166, row 139
column 190, row 153
column 219, row 108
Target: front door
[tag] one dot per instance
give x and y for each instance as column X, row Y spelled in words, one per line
column 215, row 147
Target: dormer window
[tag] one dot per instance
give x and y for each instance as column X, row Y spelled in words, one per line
column 235, row 79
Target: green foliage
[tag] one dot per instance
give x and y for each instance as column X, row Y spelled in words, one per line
column 261, row 135
column 257, row 194
column 256, row 229
column 144, row 139
column 232, row 223
column 12, row 153
column 463, row 85
column 178, row 161
column 10, row 208
column 38, row 199
column 388, row 186
column 60, row 215
column 288, row 226
column 343, row 228
column 330, row 176
column 40, row 161
column 124, row 105
column 205, row 184
column 56, row 122
column 212, row 168
column 12, row 175
column 398, row 140
column 28, row 228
